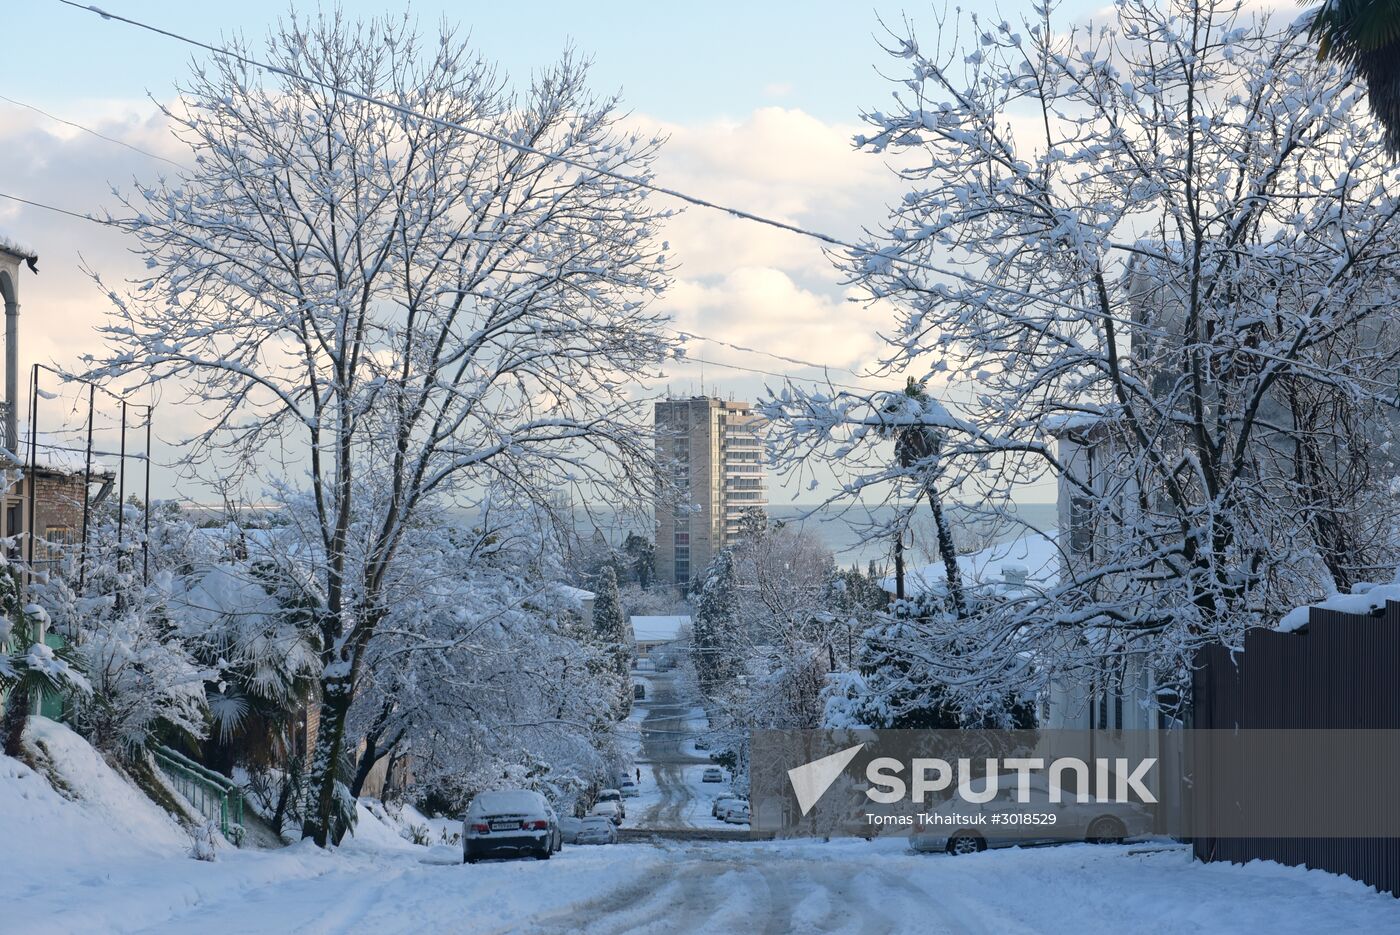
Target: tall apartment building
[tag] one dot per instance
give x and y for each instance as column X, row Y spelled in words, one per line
column 710, row 454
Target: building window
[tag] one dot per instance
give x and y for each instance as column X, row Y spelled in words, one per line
column 1081, row 525
column 60, row 535
column 14, row 527
column 682, row 538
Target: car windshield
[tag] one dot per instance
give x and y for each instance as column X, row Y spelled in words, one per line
column 608, row 795
column 597, row 824
column 510, row 802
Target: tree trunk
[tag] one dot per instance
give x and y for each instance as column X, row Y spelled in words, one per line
column 17, row 707
column 319, row 822
column 948, row 554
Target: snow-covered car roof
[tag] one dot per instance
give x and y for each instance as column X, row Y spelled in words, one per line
column 507, row 800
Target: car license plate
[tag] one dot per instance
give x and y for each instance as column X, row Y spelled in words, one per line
column 504, row 825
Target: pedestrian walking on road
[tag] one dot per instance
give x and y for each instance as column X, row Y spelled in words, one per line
column 639, row 775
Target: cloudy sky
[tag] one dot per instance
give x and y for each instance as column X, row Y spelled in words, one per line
column 759, row 101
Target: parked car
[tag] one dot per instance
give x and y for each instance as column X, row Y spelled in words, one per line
column 614, row 796
column 639, row 692
column 1095, row 822
column 629, row 789
column 736, row 813
column 723, row 801
column 568, row 830
column 510, row 823
column 712, row 774
column 701, row 743
column 598, row 830
column 608, row 810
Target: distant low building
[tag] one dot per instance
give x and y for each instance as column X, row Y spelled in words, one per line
column 579, row 601
column 651, row 632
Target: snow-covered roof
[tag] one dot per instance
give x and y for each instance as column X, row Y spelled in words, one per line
column 1032, row 559
column 575, row 597
column 12, row 246
column 1363, row 599
column 1062, row 423
column 659, row 629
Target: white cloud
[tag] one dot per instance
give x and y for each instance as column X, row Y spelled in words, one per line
column 737, row 280
column 759, row 286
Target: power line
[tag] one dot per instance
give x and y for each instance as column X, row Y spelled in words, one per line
column 641, row 183
column 1126, row 322
column 85, row 129
column 753, row 350
column 54, row 208
column 774, row 373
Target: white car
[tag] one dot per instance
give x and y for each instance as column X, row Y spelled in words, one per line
column 736, row 813
column 608, row 810
column 614, row 796
column 569, row 829
column 712, row 774
column 510, row 823
column 1003, row 822
column 722, row 802
column 629, row 789
column 597, row 830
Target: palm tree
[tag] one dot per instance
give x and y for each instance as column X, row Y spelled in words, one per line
column 1365, row 36
column 918, row 443
column 27, row 667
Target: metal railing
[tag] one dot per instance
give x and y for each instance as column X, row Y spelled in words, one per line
column 213, row 795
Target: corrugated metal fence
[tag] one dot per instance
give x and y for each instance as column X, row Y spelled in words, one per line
column 1341, row 671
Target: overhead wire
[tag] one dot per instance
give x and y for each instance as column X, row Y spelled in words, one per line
column 642, row 183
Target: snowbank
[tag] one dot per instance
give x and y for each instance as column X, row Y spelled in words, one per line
column 1364, row 599
column 97, row 809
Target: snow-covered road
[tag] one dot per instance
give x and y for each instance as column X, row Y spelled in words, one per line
column 672, row 793
column 845, row 886
column 103, row 858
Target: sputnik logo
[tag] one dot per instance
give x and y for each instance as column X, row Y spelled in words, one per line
column 811, row 780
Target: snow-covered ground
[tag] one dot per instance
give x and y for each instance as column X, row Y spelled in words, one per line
column 101, row 858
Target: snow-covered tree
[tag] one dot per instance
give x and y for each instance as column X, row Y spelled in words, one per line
column 1166, row 241
column 718, row 643
column 614, row 637
column 780, row 572
column 146, row 682
column 28, row 666
column 418, row 303
column 484, row 676
column 641, row 556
